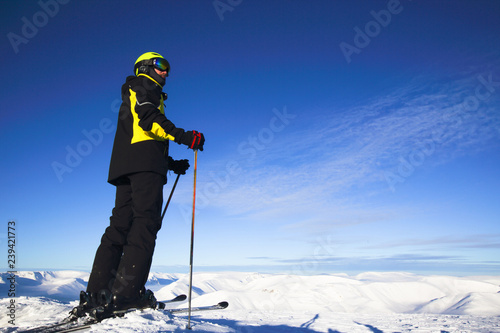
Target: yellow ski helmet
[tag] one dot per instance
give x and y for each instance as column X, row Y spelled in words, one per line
column 151, row 59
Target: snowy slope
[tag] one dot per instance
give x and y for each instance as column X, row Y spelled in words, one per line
column 369, row 302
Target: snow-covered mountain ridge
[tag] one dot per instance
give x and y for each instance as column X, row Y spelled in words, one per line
column 255, row 298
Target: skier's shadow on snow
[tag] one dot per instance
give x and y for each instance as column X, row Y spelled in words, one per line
column 370, row 327
column 242, row 328
column 305, row 327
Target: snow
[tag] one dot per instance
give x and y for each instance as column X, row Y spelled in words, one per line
column 368, row 302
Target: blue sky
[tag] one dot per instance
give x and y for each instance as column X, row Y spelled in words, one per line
column 342, row 136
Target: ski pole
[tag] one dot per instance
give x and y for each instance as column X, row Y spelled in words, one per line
column 192, row 241
column 170, row 196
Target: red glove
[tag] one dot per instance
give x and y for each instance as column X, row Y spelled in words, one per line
column 194, row 140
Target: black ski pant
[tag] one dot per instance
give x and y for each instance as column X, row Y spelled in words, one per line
column 123, row 259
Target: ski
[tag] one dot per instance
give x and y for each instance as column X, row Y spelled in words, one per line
column 218, row 306
column 161, row 305
column 72, row 324
column 66, row 325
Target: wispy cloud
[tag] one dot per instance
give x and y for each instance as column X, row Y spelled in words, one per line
column 322, row 170
column 474, row 241
column 408, row 262
column 403, row 258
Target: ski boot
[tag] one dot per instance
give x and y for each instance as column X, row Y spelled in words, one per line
column 89, row 302
column 119, row 305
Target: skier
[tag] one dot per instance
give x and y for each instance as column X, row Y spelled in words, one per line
column 138, row 169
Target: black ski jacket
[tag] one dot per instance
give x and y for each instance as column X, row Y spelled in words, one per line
column 143, row 132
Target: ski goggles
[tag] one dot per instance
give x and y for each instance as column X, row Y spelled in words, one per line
column 159, row 63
